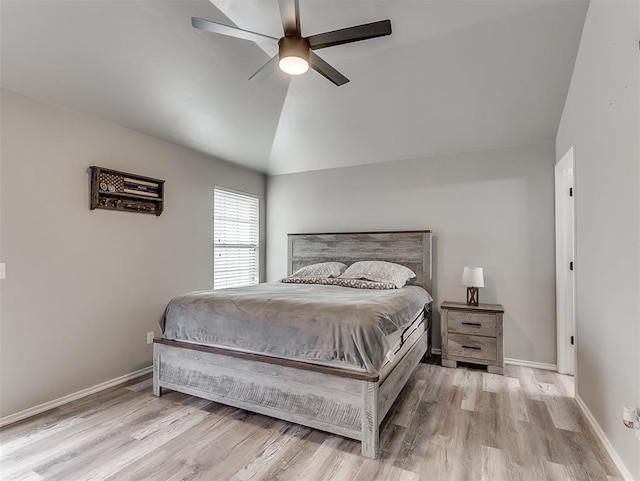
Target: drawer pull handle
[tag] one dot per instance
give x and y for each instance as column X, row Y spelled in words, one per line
column 473, row 347
column 474, row 324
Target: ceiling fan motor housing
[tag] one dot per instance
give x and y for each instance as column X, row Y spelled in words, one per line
column 294, row 46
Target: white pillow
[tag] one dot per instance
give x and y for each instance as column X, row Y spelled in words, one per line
column 323, row 270
column 379, row 271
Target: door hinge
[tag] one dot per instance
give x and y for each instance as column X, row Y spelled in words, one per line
column 572, row 340
column 571, row 265
column 570, row 191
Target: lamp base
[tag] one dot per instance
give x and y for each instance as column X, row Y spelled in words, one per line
column 473, row 296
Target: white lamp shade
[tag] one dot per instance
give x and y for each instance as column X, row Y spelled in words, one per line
column 473, row 277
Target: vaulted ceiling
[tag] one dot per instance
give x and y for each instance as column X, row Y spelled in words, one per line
column 454, row 76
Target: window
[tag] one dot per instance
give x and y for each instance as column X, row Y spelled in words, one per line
column 235, row 245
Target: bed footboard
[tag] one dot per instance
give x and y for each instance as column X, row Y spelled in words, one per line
column 318, row 400
column 340, row 404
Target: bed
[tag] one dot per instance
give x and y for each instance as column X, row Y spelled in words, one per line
column 348, row 400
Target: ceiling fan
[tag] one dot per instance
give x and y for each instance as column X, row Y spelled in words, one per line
column 295, row 52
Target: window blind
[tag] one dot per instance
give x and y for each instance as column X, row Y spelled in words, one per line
column 235, row 233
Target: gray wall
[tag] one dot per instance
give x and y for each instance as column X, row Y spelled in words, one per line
column 492, row 209
column 601, row 119
column 84, row 287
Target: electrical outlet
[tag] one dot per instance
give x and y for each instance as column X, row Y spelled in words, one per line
column 3, row 270
column 150, row 336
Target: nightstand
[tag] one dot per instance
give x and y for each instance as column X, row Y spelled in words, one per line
column 472, row 334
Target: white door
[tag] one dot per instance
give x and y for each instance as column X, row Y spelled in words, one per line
column 565, row 266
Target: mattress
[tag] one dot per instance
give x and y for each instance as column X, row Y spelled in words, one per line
column 406, row 338
column 328, row 325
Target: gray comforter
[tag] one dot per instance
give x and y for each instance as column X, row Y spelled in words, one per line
column 331, row 325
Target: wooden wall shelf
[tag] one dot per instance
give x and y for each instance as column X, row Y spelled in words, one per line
column 115, row 190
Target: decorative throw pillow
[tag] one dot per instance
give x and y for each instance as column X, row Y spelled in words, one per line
column 379, row 271
column 322, row 270
column 339, row 281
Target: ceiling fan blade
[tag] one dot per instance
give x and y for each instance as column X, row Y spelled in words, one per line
column 231, row 31
column 350, row 34
column 290, row 14
column 326, row 70
column 267, row 69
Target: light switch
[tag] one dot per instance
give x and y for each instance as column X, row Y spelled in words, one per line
column 3, row 270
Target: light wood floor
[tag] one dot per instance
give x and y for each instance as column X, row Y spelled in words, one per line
column 449, row 424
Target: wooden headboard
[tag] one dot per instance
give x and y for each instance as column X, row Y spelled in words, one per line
column 408, row 248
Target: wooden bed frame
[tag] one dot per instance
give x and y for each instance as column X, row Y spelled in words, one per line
column 346, row 402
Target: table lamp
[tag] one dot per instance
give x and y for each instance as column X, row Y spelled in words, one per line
column 472, row 277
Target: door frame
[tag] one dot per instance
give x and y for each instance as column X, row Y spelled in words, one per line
column 565, row 253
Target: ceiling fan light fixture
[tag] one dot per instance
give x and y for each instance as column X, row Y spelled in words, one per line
column 293, row 65
column 294, row 55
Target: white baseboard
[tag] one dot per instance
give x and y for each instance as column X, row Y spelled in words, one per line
column 515, row 362
column 533, row 364
column 604, row 440
column 12, row 418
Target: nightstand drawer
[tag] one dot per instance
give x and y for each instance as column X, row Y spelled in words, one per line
column 472, row 347
column 474, row 323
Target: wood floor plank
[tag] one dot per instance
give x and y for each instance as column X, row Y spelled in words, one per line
column 392, row 437
column 516, row 438
column 27, row 426
column 471, row 384
column 272, row 452
column 371, row 470
column 343, row 466
column 296, row 456
column 516, row 407
column 312, row 465
column 566, row 386
column 409, row 402
column 599, row 452
column 530, row 384
column 154, row 466
column 495, row 465
column 236, row 449
column 448, row 424
column 565, row 414
column 557, row 472
column 121, row 446
column 580, row 465
column 545, row 376
column 74, row 438
column 143, row 385
column 545, row 439
column 434, row 455
column 492, row 424
column 422, row 427
column 184, row 449
column 28, row 476
column 37, row 434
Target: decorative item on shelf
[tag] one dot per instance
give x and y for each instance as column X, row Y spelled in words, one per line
column 114, row 190
column 473, row 278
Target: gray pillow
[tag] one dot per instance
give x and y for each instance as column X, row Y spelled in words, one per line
column 323, row 270
column 379, row 271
